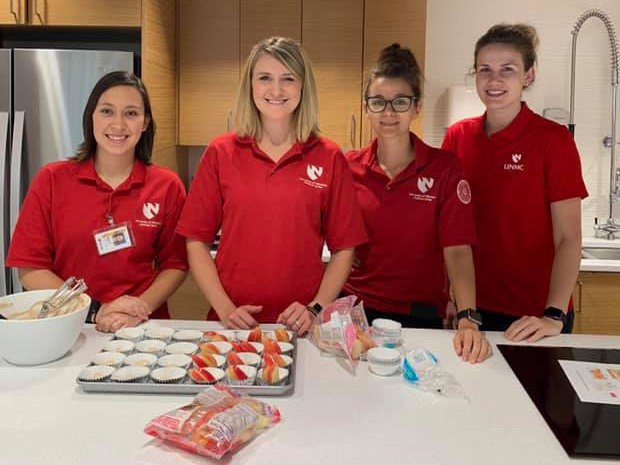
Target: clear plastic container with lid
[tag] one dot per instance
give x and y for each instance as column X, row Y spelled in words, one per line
column 386, row 333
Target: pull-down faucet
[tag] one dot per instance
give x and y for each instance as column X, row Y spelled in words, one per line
column 609, row 229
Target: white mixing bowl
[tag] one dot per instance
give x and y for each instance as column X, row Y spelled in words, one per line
column 34, row 342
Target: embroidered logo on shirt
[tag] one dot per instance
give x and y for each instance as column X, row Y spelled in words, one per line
column 314, row 172
column 463, row 191
column 516, row 164
column 150, row 210
column 424, row 184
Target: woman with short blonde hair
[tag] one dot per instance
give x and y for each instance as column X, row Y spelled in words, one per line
column 278, row 192
column 305, row 119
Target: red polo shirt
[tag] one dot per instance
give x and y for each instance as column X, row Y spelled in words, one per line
column 67, row 201
column 515, row 175
column 274, row 218
column 410, row 219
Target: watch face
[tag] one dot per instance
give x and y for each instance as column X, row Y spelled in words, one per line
column 476, row 317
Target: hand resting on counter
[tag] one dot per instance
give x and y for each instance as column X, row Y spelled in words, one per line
column 122, row 312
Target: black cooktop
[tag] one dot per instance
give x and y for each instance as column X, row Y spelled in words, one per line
column 584, row 429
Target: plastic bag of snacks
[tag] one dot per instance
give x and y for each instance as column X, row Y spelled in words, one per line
column 216, row 422
column 421, row 368
column 342, row 329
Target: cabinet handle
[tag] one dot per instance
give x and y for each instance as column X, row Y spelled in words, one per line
column 12, row 10
column 36, row 11
column 352, row 131
column 228, row 121
column 579, row 300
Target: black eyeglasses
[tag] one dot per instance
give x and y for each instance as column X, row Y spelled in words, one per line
column 399, row 104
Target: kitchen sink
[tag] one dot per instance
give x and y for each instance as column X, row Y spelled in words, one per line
column 600, row 253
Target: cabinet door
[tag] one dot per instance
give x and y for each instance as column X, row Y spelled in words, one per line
column 597, row 303
column 159, row 73
column 265, row 18
column 12, row 11
column 113, row 13
column 208, row 67
column 404, row 22
column 332, row 36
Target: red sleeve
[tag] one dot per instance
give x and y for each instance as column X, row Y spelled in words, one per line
column 171, row 252
column 448, row 141
column 202, row 214
column 343, row 221
column 562, row 165
column 32, row 244
column 456, row 217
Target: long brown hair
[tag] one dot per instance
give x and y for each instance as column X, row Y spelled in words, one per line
column 88, row 147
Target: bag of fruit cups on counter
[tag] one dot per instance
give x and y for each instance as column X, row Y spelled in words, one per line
column 342, row 329
column 219, row 420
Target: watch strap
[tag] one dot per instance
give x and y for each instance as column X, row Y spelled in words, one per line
column 95, row 305
column 315, row 308
column 556, row 314
column 471, row 314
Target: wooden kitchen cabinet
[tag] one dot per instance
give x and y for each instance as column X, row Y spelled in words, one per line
column 260, row 19
column 113, row 13
column 404, row 22
column 159, row 73
column 597, row 303
column 12, row 12
column 332, row 36
column 342, row 38
column 208, row 68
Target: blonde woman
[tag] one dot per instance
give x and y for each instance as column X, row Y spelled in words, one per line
column 278, row 191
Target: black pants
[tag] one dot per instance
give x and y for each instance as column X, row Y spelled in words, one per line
column 421, row 316
column 494, row 321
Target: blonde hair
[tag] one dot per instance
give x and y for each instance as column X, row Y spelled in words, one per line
column 292, row 56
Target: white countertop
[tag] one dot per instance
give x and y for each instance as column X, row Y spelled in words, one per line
column 332, row 417
column 607, row 265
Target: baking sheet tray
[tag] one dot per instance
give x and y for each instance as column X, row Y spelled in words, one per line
column 189, row 387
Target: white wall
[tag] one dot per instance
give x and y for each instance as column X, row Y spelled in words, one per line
column 453, row 26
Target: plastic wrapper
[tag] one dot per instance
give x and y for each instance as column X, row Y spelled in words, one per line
column 421, row 368
column 341, row 329
column 218, row 421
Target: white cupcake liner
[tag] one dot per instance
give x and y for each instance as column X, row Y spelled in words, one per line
column 119, row 345
column 174, row 360
column 283, row 378
column 130, row 334
column 130, row 374
column 141, row 359
column 241, row 346
column 187, row 348
column 220, row 360
column 287, row 358
column 161, row 333
column 150, row 346
column 96, row 373
column 168, row 375
column 249, row 371
column 247, row 358
column 211, row 336
column 187, row 335
column 217, row 347
column 113, row 359
column 218, row 373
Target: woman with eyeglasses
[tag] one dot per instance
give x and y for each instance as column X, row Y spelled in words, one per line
column 278, row 191
column 416, row 206
column 526, row 179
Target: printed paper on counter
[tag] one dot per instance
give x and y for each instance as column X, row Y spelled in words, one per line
column 597, row 383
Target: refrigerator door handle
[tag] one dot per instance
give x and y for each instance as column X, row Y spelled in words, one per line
column 4, row 240
column 15, row 184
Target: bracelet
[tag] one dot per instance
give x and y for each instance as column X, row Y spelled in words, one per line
column 95, row 305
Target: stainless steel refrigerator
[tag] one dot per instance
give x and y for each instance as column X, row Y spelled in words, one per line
column 42, row 97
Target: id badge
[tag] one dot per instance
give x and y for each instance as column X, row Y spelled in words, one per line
column 114, row 238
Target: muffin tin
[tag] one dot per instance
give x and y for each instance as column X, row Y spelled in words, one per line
column 186, row 385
